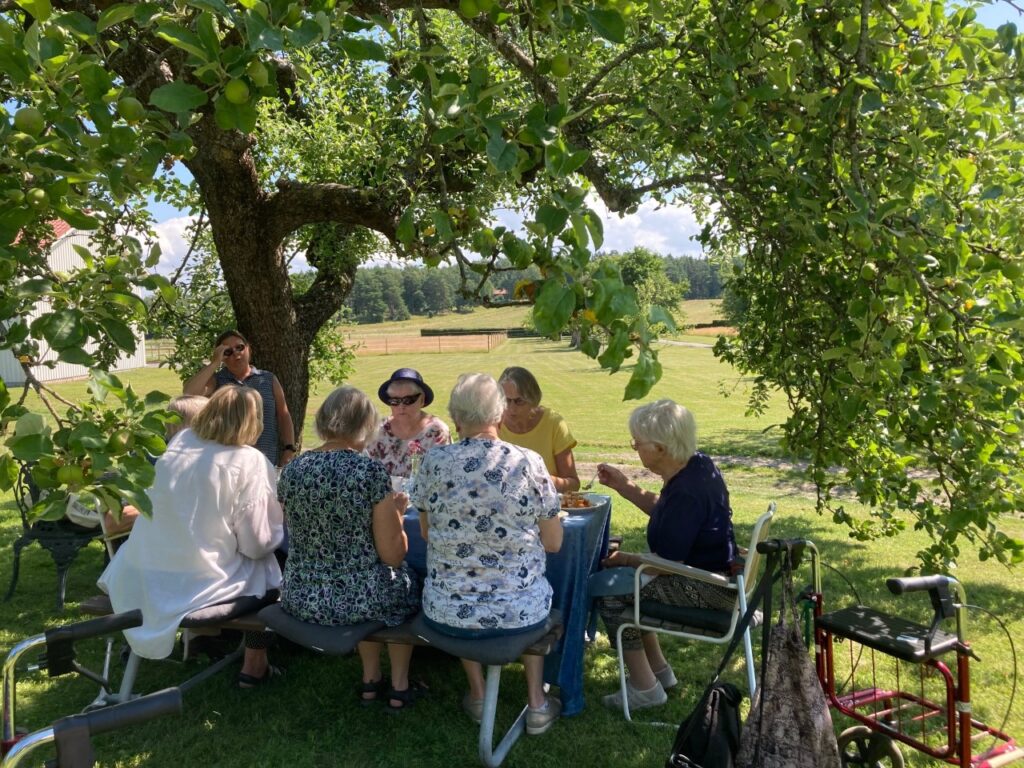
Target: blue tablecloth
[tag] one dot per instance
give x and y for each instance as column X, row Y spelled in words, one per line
column 584, row 543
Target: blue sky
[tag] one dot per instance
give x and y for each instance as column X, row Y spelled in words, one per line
column 666, row 230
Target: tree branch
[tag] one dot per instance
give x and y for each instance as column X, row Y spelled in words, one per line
column 296, row 204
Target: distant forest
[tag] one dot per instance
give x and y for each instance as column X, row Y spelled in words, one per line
column 380, row 294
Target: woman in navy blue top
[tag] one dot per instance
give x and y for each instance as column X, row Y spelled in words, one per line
column 230, row 363
column 690, row 522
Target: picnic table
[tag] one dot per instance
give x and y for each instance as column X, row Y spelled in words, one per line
column 584, row 544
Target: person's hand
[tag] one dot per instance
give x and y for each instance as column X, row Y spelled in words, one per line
column 217, row 356
column 287, row 454
column 611, row 477
column 618, row 559
column 401, row 501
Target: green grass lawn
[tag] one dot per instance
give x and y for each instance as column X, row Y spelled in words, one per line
column 310, row 718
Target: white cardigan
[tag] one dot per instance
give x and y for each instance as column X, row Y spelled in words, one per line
column 216, row 522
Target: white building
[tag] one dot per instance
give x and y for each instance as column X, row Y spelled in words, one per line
column 64, row 258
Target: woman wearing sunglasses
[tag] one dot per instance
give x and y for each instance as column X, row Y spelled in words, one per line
column 230, row 364
column 529, row 424
column 410, row 431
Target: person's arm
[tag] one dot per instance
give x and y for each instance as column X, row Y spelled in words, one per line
column 285, row 427
column 630, row 491
column 388, row 533
column 203, row 383
column 259, row 528
column 566, row 479
column 551, row 533
column 258, row 519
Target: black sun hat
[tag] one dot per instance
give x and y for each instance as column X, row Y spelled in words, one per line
column 411, row 375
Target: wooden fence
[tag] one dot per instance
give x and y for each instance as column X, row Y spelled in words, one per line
column 408, row 344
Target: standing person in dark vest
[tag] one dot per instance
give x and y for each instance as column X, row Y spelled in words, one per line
column 230, row 364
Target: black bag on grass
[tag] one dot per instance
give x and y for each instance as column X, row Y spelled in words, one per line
column 710, row 736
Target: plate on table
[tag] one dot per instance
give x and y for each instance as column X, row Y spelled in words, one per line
column 573, row 503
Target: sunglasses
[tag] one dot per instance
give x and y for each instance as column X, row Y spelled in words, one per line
column 407, row 400
column 239, row 348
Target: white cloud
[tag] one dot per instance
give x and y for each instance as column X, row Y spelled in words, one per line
column 172, row 235
column 667, row 230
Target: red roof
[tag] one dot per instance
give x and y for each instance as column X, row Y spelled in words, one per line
column 59, row 227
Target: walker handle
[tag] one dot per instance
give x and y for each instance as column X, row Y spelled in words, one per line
column 917, row 584
column 94, row 627
column 165, row 702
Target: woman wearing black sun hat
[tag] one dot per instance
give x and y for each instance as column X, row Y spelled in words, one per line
column 410, row 431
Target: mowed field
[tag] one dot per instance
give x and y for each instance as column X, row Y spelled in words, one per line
column 310, row 717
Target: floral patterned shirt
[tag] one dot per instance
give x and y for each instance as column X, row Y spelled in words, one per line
column 485, row 561
column 396, row 454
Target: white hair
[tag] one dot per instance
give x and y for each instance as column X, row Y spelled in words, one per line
column 476, row 401
column 668, row 424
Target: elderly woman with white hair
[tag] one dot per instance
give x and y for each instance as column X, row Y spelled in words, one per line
column 489, row 512
column 690, row 522
column 347, row 544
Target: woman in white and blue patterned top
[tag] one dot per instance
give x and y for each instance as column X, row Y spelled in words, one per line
column 488, row 512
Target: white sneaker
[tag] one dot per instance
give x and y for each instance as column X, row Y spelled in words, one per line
column 540, row 720
column 652, row 697
column 666, row 677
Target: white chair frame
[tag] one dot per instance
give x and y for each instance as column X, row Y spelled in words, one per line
column 743, row 585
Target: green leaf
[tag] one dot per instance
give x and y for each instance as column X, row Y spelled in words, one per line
column 8, row 472
column 967, row 170
column 659, row 314
column 177, row 97
column 596, row 227
column 406, row 230
column 554, row 307
column 155, row 398
column 615, row 353
column 362, row 49
column 503, row 154
column 120, row 333
column 63, row 328
column 76, row 355
column 30, row 447
column 240, row 117
column 646, row 374
column 39, row 9
column 115, row 14
column 183, row 38
column 608, row 23
column 552, row 217
column 30, row 424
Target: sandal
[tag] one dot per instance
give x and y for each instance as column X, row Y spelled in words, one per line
column 406, row 698
column 376, row 688
column 246, row 682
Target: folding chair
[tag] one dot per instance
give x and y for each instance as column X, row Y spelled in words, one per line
column 705, row 625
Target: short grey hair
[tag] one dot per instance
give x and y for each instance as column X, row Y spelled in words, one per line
column 186, row 406
column 666, row 423
column 347, row 414
column 524, row 382
column 476, row 401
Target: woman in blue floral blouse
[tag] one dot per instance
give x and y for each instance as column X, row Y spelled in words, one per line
column 488, row 512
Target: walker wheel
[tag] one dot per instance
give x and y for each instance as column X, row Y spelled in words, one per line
column 861, row 747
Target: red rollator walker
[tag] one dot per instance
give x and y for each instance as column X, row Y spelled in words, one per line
column 904, row 682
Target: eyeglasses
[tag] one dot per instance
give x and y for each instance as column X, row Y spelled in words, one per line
column 516, row 400
column 407, row 400
column 239, row 348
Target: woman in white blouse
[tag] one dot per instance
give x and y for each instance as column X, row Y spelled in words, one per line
column 216, row 522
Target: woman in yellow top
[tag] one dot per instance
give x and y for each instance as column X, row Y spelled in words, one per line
column 529, row 424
